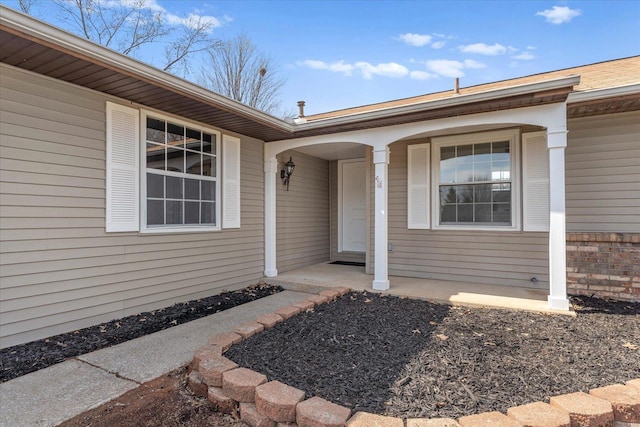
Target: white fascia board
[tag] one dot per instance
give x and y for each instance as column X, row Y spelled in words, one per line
column 65, row 40
column 595, row 94
column 547, row 85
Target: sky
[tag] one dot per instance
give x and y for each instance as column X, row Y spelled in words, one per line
column 341, row 54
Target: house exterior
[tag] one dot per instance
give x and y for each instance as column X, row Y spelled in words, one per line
column 125, row 189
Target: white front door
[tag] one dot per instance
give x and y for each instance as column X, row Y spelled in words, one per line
column 352, row 206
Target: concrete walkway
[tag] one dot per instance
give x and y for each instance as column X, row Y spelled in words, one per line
column 60, row 392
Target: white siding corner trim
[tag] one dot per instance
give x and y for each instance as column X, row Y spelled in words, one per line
column 230, row 182
column 123, row 182
column 418, row 186
column 535, row 186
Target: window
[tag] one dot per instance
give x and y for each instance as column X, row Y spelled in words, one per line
column 475, row 181
column 164, row 174
column 181, row 165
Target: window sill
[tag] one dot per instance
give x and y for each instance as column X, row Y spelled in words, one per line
column 475, row 228
column 178, row 230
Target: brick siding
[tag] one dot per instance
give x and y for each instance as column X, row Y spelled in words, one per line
column 604, row 264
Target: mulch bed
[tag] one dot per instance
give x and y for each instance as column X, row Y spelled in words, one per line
column 410, row 358
column 25, row 358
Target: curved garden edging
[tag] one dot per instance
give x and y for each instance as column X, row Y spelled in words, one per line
column 259, row 402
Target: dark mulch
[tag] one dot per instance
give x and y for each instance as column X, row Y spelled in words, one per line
column 25, row 358
column 410, row 358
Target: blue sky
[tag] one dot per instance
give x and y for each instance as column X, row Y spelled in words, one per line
column 340, row 54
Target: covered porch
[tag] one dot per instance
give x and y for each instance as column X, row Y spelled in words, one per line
column 408, row 249
column 327, row 275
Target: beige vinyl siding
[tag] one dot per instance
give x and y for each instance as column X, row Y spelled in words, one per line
column 335, row 255
column 603, row 173
column 483, row 257
column 59, row 270
column 302, row 224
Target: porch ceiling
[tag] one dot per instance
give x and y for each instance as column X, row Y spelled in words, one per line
column 335, row 151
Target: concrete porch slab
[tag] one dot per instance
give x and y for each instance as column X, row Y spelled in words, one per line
column 324, row 275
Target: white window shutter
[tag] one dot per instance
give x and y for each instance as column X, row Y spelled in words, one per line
column 535, row 175
column 230, row 182
column 418, row 186
column 123, row 179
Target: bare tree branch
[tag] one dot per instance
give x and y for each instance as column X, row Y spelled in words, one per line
column 26, row 5
column 237, row 70
column 194, row 38
column 234, row 68
column 125, row 26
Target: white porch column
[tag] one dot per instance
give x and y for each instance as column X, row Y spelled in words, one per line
column 556, row 143
column 270, row 181
column 381, row 269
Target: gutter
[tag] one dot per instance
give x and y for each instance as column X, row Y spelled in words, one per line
column 545, row 86
column 37, row 30
column 596, row 94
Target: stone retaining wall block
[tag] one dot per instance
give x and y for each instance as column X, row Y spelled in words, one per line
column 209, row 350
column 624, row 399
column 247, row 330
column 488, row 419
column 221, row 402
column 269, row 320
column 196, row 384
column 317, row 412
column 331, row 294
column 432, row 422
column 288, row 311
column 240, row 384
column 304, row 305
column 539, row 414
column 211, row 369
column 585, row 410
column 250, row 415
column 225, row 340
column 634, row 383
column 318, row 299
column 278, row 401
column 365, row 419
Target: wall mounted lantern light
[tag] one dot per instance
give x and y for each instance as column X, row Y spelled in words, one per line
column 285, row 174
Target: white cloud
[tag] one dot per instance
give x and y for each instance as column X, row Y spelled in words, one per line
column 421, row 75
column 438, row 45
column 451, row 68
column 191, row 21
column 559, row 14
column 484, row 49
column 417, row 40
column 194, row 21
column 368, row 70
column 336, row 67
column 390, row 69
column 525, row 56
column 470, row 63
column 446, row 67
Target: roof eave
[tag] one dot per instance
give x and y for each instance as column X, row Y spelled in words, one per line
column 532, row 88
column 597, row 94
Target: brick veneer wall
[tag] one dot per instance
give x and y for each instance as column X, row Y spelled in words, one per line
column 604, row 265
